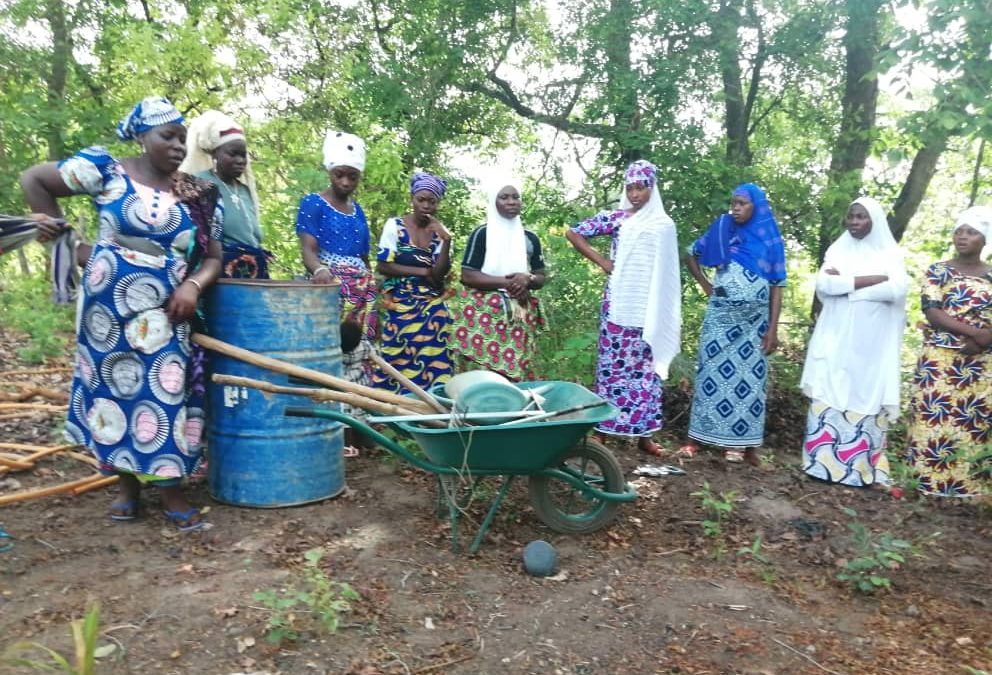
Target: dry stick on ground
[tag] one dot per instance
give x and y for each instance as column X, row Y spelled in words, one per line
column 23, row 446
column 33, row 406
column 36, row 371
column 28, row 391
column 309, row 374
column 805, row 656
column 320, row 395
column 406, row 382
column 53, row 490
column 438, row 666
column 18, row 463
column 41, row 453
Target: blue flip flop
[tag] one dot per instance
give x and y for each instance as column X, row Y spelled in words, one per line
column 179, row 517
column 124, row 511
column 6, row 541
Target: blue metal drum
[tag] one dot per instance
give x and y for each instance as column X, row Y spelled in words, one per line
column 257, row 456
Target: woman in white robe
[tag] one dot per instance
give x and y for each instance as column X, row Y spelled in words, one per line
column 851, row 373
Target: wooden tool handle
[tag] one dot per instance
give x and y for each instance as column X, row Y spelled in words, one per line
column 408, row 383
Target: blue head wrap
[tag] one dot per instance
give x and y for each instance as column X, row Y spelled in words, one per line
column 150, row 112
column 425, row 181
column 755, row 245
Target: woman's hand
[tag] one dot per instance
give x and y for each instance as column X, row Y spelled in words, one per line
column 437, row 227
column 607, row 265
column 832, row 271
column 706, row 287
column 769, row 343
column 970, row 348
column 48, row 228
column 323, row 277
column 983, row 338
column 182, row 303
column 518, row 285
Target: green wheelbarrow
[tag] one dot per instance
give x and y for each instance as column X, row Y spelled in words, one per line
column 575, row 483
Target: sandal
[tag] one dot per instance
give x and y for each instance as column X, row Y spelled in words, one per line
column 350, row 451
column 121, row 512
column 733, row 456
column 6, row 541
column 183, row 520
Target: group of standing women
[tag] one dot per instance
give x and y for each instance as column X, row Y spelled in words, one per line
column 184, row 212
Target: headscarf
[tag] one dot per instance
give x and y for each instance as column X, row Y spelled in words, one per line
column 760, row 248
column 848, row 254
column 506, row 243
column 425, row 181
column 208, row 132
column 978, row 218
column 645, row 286
column 150, row 112
column 341, row 149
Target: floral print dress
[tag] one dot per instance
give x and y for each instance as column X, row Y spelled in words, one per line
column 951, row 427
column 625, row 374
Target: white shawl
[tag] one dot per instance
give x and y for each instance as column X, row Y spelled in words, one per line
column 506, row 243
column 645, row 286
column 853, row 357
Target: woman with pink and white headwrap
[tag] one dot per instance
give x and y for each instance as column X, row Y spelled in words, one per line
column 641, row 318
column 951, row 429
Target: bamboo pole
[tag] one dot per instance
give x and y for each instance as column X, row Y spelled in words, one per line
column 316, row 376
column 409, row 384
column 18, row 464
column 34, row 406
column 22, row 446
column 53, row 490
column 95, row 485
column 320, row 395
column 36, row 371
column 41, row 453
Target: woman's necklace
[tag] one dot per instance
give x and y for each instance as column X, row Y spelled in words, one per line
column 232, row 192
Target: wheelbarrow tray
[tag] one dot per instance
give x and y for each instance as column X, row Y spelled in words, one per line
column 521, row 448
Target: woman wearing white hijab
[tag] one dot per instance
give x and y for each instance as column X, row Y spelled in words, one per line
column 950, row 435
column 641, row 317
column 852, row 362
column 217, row 151
column 498, row 320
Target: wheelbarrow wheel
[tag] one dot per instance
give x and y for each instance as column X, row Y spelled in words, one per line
column 563, row 507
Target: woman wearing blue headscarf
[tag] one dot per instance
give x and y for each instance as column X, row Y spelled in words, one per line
column 415, row 258
column 741, row 324
column 137, row 392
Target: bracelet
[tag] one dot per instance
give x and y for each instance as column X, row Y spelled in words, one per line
column 199, row 288
column 322, row 268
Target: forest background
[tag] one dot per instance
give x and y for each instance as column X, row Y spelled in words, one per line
column 818, row 102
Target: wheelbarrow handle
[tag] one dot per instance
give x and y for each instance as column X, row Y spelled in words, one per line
column 386, row 442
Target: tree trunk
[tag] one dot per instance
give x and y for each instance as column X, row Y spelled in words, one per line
column 621, row 82
column 915, row 187
column 857, row 126
column 727, row 29
column 61, row 55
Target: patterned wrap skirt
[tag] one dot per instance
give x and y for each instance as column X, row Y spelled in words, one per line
column 415, row 335
column 488, row 335
column 845, row 447
column 950, row 436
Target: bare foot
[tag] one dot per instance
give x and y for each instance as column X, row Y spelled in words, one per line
column 751, row 457
column 646, row 444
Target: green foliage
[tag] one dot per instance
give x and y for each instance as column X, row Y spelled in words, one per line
column 85, row 635
column 26, row 306
column 875, row 555
column 312, row 601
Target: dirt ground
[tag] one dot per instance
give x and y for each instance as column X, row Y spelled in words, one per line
column 650, row 594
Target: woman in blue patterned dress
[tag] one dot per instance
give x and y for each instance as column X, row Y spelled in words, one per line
column 640, row 320
column 334, row 234
column 137, row 396
column 740, row 328
column 415, row 257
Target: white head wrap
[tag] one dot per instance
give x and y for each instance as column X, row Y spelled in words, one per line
column 978, row 218
column 864, row 256
column 208, row 132
column 506, row 243
column 341, row 149
column 645, row 286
